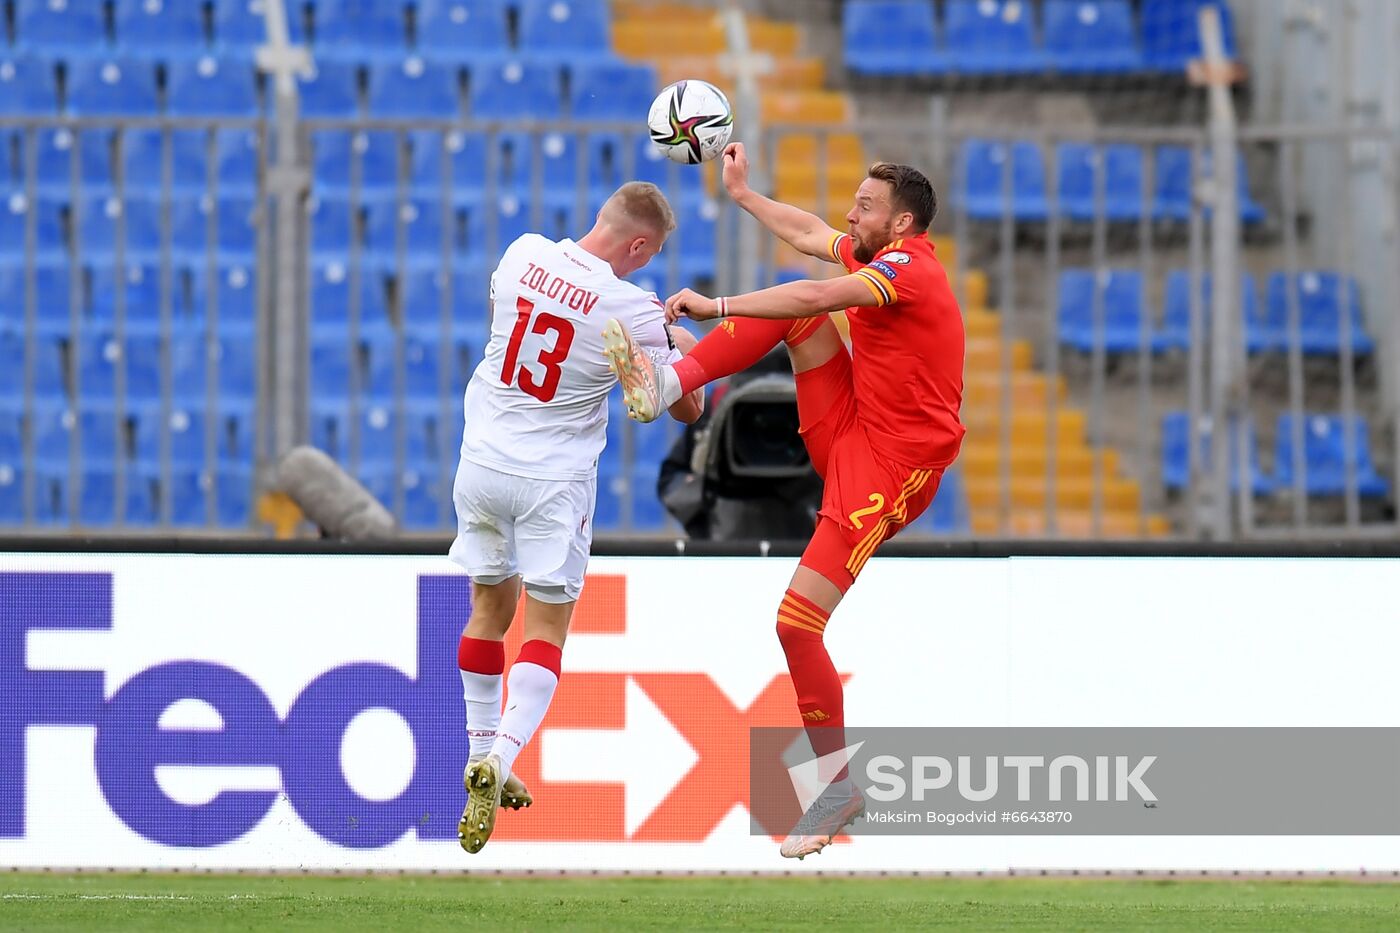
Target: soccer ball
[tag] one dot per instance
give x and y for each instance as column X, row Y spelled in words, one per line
column 691, row 122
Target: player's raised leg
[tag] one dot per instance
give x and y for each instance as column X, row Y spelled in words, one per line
column 649, row 387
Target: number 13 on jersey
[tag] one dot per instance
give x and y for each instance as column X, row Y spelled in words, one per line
column 550, row 359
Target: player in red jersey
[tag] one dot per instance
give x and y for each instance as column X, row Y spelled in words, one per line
column 880, row 421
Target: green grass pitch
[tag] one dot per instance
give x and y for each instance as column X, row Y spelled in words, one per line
column 425, row 903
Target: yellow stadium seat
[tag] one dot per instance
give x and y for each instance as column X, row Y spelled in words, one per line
column 1072, row 524
column 647, row 38
column 1073, row 461
column 775, row 38
column 805, row 107
column 1027, row 427
column 983, row 389
column 1030, row 492
column 984, row 355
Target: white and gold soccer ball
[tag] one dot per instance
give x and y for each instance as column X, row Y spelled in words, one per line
column 691, row 121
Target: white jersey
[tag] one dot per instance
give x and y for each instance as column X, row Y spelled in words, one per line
column 537, row 404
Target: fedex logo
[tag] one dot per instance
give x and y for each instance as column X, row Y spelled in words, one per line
column 304, row 745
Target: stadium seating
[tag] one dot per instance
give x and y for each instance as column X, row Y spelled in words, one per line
column 892, row 37
column 159, row 28
column 1121, row 308
column 110, row 87
column 515, row 88
column 1080, row 166
column 28, row 85
column 1171, row 36
column 612, row 91
column 575, row 28
column 73, row 24
column 1175, row 332
column 1176, row 445
column 1091, row 36
column 1173, row 196
column 413, row 87
column 1325, row 456
column 210, row 86
column 992, row 37
column 329, row 89
column 360, row 29
column 984, row 180
column 1320, row 297
column 450, row 29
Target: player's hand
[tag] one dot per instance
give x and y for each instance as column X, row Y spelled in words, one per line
column 686, row 303
column 736, row 170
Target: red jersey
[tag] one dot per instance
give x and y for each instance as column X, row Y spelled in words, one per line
column 907, row 350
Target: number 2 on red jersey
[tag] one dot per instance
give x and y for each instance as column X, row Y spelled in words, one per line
column 551, row 359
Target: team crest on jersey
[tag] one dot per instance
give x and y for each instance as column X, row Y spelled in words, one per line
column 897, row 258
column 885, row 270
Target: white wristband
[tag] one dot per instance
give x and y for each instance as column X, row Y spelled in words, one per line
column 722, row 304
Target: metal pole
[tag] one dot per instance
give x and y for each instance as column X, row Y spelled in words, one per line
column 1225, row 266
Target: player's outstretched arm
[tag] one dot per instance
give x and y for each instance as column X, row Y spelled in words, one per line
column 789, row 300
column 801, row 230
column 690, row 407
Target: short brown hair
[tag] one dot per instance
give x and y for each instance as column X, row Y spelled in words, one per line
column 640, row 204
column 912, row 191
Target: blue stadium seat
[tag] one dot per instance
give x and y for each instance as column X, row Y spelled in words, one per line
column 102, row 218
column 983, row 170
column 1091, row 37
column 1325, row 456
column 12, row 422
column 449, row 28
column 330, row 299
column 54, row 157
column 208, row 86
column 578, row 28
column 413, row 87
column 239, row 24
column 678, row 181
column 1175, row 333
column 1080, row 165
column 98, row 443
column 607, row 168
column 695, row 237
column 1173, row 196
column 48, row 224
column 331, row 362
column 235, row 290
column 330, row 89
column 1171, row 35
column 65, row 24
column 991, row 37
column 234, row 488
column 329, row 428
column 361, row 29
column 188, row 498
column 610, row 90
column 1320, row 296
column 111, row 86
column 139, row 287
column 419, row 220
column 160, row 27
column 1176, row 444
column 891, row 37
column 235, row 227
column 48, row 356
column 27, row 85
column 192, row 357
column 513, row 89
column 97, row 502
column 11, row 493
column 650, row 442
column 1122, row 309
column 237, row 361
column 335, row 152
column 333, row 226
column 52, row 288
column 422, row 296
column 182, row 428
column 466, row 152
column 427, row 501
column 98, row 357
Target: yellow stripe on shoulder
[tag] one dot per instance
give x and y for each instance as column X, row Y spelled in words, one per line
column 833, row 246
column 886, row 293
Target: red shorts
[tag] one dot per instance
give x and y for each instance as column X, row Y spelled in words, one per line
column 867, row 497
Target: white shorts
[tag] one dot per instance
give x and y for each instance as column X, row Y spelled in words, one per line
column 540, row 529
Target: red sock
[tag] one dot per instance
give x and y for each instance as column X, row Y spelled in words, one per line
column 820, row 699
column 736, row 344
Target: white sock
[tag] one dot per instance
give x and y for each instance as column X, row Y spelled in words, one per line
column 670, row 386
column 531, row 689
column 483, row 696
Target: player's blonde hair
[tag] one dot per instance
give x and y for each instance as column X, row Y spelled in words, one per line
column 639, row 204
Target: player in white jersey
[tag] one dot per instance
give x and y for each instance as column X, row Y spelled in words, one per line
column 536, row 422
